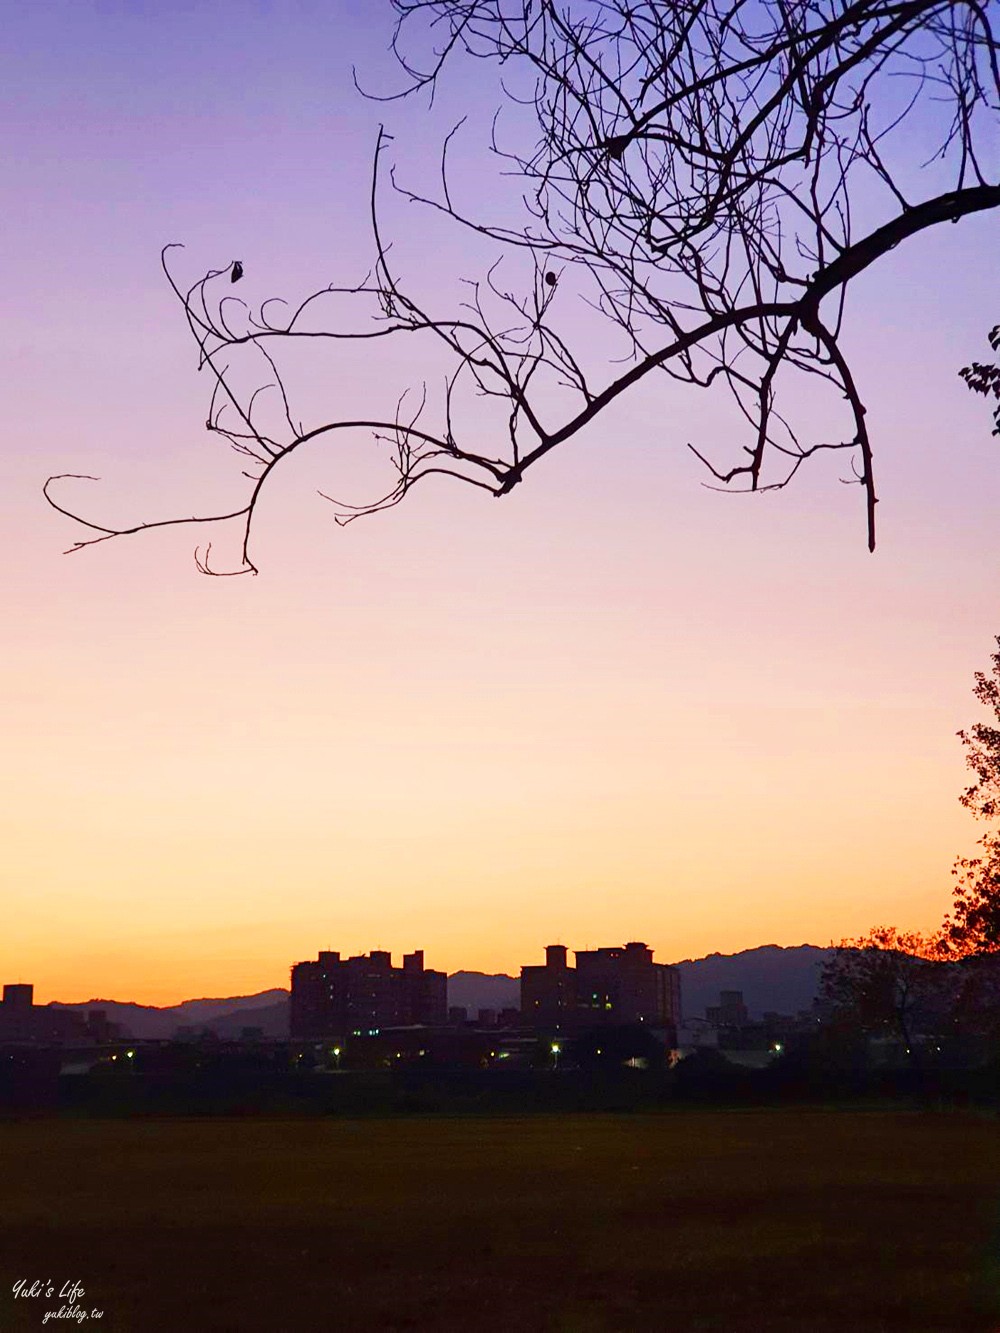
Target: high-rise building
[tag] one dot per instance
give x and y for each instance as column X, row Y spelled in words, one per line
column 608, row 988
column 548, row 993
column 334, row 996
column 22, row 1020
column 18, row 998
column 624, row 985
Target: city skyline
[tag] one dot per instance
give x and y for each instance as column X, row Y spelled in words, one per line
column 510, row 973
column 614, row 703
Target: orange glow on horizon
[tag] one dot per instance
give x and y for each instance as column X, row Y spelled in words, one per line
column 614, row 705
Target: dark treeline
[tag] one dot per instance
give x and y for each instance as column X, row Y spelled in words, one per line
column 271, row 1085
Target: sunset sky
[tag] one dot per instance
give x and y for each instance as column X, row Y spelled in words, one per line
column 615, row 705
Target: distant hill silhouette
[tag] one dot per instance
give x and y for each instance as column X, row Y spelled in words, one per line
column 272, row 1019
column 772, row 978
column 783, row 980
column 484, row 990
column 142, row 1020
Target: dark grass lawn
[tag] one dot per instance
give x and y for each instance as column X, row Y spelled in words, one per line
column 736, row 1221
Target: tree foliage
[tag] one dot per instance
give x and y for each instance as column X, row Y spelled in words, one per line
column 982, row 746
column 887, row 983
column 909, row 985
column 984, row 378
column 710, row 176
column 973, row 925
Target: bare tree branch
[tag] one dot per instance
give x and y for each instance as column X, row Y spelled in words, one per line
column 695, row 181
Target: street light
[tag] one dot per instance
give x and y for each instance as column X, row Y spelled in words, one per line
column 555, row 1055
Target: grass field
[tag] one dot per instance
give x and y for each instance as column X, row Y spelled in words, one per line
column 735, row 1222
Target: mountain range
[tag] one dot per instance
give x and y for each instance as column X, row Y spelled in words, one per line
column 227, row 1017
column 772, row 978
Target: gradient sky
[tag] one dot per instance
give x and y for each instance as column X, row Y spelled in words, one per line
column 616, row 705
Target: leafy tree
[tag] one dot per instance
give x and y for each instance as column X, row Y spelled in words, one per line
column 974, row 995
column 985, row 379
column 907, row 984
column 888, row 983
column 982, row 746
column 709, row 176
column 974, row 923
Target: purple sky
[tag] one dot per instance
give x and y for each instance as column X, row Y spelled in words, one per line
column 614, row 705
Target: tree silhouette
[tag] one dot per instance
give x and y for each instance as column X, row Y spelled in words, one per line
column 908, row 984
column 710, row 176
column 974, row 923
column 889, row 983
column 984, row 378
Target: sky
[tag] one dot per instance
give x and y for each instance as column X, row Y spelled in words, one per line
column 615, row 705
